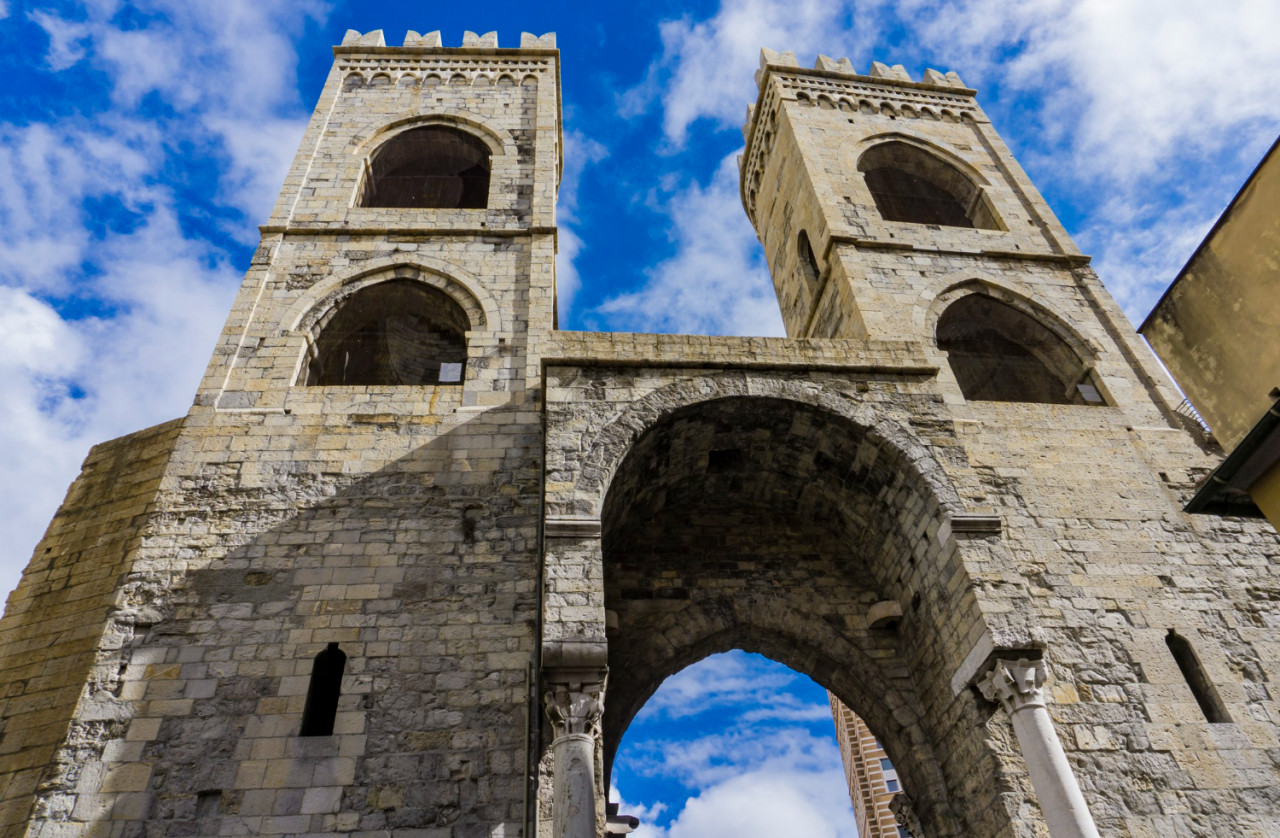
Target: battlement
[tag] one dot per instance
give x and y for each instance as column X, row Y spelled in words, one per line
column 432, row 40
column 881, row 72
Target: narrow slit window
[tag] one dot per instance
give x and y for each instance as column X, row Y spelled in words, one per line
column 808, row 261
column 321, row 708
column 1201, row 687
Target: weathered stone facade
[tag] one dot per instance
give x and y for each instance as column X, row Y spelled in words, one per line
column 512, row 565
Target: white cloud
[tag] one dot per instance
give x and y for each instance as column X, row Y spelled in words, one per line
column 716, row 282
column 763, row 804
column 749, row 776
column 730, row 680
column 745, row 746
column 580, row 151
column 1133, row 83
column 706, row 67
column 117, row 306
column 1132, row 111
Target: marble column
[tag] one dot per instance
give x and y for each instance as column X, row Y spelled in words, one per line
column 575, row 711
column 1019, row 687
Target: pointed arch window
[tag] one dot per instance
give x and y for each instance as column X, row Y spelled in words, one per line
column 434, row 166
column 1001, row 354
column 911, row 185
column 398, row 332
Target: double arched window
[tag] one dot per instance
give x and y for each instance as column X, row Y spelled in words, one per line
column 1001, row 354
column 398, row 332
column 434, row 166
column 912, row 185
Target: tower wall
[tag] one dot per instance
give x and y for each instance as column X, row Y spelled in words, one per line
column 398, row 521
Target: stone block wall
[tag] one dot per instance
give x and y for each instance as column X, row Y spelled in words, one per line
column 57, row 620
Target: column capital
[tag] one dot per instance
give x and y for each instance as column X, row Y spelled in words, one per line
column 576, row 708
column 1015, row 684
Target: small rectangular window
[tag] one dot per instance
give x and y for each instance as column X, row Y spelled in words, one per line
column 885, row 765
column 891, row 784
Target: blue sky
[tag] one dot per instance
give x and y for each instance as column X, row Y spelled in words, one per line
column 142, row 143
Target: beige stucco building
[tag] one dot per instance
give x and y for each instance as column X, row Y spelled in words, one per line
column 1217, row 329
column 415, row 557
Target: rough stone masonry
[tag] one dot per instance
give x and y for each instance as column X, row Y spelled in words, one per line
column 1003, row 587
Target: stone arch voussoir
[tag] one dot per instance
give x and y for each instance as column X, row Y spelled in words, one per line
column 939, row 295
column 463, row 287
column 605, row 453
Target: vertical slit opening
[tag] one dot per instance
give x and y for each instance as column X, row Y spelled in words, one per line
column 1201, row 687
column 322, row 692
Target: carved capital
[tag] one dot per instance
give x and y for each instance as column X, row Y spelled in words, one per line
column 904, row 813
column 575, row 709
column 1017, row 685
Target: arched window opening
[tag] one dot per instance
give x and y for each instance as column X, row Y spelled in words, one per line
column 731, row 715
column 321, row 709
column 808, row 261
column 399, row 332
column 913, row 186
column 1000, row 354
column 432, row 167
column 1201, row 687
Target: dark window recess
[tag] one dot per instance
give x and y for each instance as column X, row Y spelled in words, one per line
column 808, row 261
column 322, row 693
column 908, row 184
column 903, row 196
column 1201, row 687
column 399, row 332
column 726, row 460
column 208, row 804
column 1000, row 354
column 430, row 167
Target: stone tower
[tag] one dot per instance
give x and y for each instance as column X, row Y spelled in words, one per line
column 415, row 558
column 361, row 467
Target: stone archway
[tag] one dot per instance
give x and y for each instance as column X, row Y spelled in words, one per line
column 773, row 526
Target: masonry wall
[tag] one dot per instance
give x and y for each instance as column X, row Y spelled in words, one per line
column 56, row 620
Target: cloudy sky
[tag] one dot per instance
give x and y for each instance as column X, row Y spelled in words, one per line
column 142, row 143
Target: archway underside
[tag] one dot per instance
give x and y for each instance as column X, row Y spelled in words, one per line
column 772, row 527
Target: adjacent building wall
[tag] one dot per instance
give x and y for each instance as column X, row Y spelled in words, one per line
column 1217, row 328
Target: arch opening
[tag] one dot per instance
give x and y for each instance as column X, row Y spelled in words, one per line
column 999, row 353
column 773, row 527
column 736, row 743
column 397, row 332
column 911, row 185
column 429, row 167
